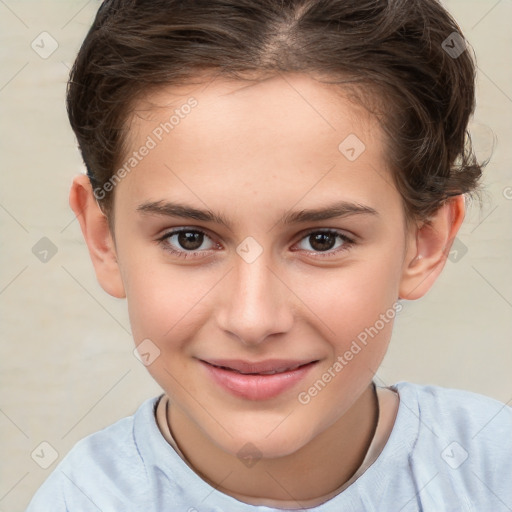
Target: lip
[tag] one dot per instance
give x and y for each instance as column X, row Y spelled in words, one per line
column 260, row 380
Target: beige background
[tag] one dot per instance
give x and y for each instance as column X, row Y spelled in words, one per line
column 67, row 367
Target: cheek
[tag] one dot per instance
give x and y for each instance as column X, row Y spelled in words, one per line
column 163, row 302
column 165, row 307
column 352, row 299
column 359, row 308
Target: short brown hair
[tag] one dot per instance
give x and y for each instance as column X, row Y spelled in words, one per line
column 400, row 48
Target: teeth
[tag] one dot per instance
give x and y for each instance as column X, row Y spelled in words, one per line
column 270, row 372
column 258, row 373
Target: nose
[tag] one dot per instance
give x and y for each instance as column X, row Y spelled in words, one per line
column 255, row 303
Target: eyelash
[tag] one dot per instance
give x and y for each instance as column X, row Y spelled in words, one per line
column 347, row 243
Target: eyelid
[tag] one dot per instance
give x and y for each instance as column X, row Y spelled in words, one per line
column 349, row 241
column 336, row 231
column 176, row 231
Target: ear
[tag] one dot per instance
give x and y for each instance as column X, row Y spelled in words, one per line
column 429, row 247
column 98, row 238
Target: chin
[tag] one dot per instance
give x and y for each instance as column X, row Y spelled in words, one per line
column 278, row 441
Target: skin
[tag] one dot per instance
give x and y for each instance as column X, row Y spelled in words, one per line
column 253, row 152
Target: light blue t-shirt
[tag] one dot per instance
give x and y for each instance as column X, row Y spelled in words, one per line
column 449, row 451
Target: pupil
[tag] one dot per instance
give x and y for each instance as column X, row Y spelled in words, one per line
column 190, row 240
column 322, row 241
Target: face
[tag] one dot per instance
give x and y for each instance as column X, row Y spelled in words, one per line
column 261, row 246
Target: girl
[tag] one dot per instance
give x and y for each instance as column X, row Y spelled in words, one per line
column 267, row 181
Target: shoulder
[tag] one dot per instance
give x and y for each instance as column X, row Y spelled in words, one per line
column 86, row 473
column 462, row 445
column 458, row 411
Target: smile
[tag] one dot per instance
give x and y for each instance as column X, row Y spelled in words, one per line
column 257, row 380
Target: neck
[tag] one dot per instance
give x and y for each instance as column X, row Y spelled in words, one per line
column 317, row 469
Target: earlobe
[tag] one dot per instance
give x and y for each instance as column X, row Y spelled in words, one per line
column 429, row 248
column 97, row 235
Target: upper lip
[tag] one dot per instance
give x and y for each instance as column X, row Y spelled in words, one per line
column 261, row 367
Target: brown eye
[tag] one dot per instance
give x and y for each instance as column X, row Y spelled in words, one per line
column 322, row 241
column 190, row 240
column 187, row 242
column 328, row 242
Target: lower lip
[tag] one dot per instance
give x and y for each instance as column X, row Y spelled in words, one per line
column 257, row 387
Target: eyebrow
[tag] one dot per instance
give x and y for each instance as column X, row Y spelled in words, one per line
column 336, row 210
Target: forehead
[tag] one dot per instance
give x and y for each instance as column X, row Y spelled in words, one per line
column 268, row 104
column 290, row 131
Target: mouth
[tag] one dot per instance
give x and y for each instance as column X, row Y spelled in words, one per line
column 261, row 380
column 269, row 367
